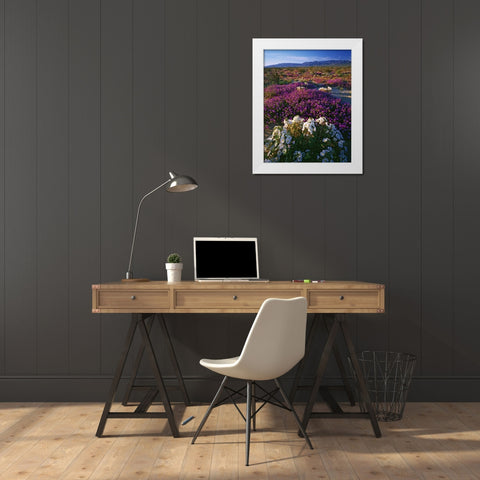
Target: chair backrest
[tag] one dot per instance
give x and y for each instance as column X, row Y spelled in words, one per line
column 276, row 341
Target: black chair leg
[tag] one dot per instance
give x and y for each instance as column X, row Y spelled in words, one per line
column 290, row 406
column 210, row 408
column 254, row 408
column 250, row 414
column 248, row 421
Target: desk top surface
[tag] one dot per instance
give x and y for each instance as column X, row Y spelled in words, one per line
column 256, row 285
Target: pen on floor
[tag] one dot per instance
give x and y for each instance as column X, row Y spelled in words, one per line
column 187, row 420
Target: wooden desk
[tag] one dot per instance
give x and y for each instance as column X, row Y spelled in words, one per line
column 149, row 298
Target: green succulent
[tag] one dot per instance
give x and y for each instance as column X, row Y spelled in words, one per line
column 174, row 258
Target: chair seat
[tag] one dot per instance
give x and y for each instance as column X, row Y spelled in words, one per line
column 231, row 367
column 218, row 363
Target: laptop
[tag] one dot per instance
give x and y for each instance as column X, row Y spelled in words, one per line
column 226, row 259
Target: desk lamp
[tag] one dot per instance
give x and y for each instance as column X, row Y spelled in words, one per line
column 176, row 183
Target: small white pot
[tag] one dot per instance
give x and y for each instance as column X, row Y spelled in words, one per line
column 174, row 272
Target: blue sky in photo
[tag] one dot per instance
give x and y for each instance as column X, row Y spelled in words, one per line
column 273, row 57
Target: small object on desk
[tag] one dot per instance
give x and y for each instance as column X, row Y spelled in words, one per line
column 188, row 420
column 308, row 281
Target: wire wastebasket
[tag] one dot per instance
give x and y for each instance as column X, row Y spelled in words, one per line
column 387, row 376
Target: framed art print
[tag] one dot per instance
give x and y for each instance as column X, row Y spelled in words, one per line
column 307, row 105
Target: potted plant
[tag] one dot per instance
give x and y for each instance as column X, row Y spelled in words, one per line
column 174, row 268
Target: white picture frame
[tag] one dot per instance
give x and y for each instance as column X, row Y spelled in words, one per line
column 345, row 154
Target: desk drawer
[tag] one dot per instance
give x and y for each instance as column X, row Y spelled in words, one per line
column 339, row 299
column 132, row 299
column 221, row 299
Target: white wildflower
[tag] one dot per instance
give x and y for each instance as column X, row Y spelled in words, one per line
column 309, row 126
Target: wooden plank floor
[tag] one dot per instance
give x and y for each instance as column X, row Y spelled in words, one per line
column 57, row 442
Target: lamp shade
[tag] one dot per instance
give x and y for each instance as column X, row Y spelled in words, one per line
column 181, row 183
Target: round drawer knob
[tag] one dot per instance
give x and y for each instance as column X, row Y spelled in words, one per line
column 235, row 297
column 133, row 297
column 341, row 297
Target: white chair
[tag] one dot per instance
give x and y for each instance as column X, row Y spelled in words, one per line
column 275, row 344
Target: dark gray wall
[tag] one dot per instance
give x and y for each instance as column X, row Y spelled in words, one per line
column 99, row 99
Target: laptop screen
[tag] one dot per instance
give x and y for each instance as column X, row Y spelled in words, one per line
column 220, row 258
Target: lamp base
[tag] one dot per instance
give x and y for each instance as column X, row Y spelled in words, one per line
column 135, row 280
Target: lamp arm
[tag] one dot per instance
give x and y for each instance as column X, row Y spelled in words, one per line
column 136, row 223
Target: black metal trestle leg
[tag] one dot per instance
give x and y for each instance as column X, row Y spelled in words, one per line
column 159, row 380
column 174, row 360
column 339, row 325
column 301, row 364
column 324, row 391
column 181, row 384
column 361, row 382
column 322, row 366
column 117, row 376
column 139, row 322
column 138, row 359
column 341, row 367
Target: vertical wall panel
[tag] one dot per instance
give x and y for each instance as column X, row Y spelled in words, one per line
column 309, row 200
column 340, row 190
column 149, row 168
column 181, row 126
column 212, row 91
column 372, row 215
column 84, row 184
column 2, row 188
column 437, row 186
column 181, row 155
column 149, row 135
column 466, row 175
column 244, row 192
column 20, row 186
column 243, row 187
column 404, row 177
column 309, row 194
column 116, row 163
column 340, row 222
column 52, row 187
column 276, row 238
